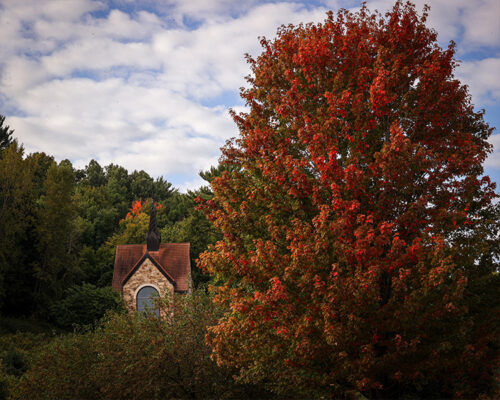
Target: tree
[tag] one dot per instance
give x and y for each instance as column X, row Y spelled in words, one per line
column 21, row 229
column 20, row 281
column 56, row 235
column 142, row 186
column 118, row 187
column 94, row 174
column 15, row 199
column 98, row 216
column 85, row 305
column 134, row 226
column 360, row 237
column 186, row 224
column 39, row 164
column 196, row 230
column 5, row 134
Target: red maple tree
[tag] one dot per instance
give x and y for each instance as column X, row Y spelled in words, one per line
column 360, row 238
column 138, row 207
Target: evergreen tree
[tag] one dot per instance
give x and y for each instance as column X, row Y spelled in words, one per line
column 56, row 235
column 15, row 200
column 5, row 134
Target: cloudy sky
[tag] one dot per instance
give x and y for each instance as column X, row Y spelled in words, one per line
column 148, row 84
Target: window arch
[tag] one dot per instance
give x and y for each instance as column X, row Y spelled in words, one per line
column 145, row 300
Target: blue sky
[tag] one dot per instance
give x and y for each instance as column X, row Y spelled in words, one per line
column 148, row 84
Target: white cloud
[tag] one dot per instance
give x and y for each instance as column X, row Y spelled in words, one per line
column 195, row 183
column 99, row 54
column 20, row 73
column 210, row 59
column 117, row 25
column 482, row 23
column 151, row 118
column 493, row 161
column 138, row 127
column 472, row 23
column 482, row 76
column 18, row 21
column 204, row 10
column 132, row 87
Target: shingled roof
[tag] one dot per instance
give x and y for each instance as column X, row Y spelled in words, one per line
column 172, row 259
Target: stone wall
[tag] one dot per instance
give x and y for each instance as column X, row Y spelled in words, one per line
column 146, row 274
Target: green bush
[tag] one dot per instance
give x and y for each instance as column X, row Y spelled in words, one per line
column 25, row 342
column 24, row 325
column 136, row 357
column 16, row 351
column 62, row 369
column 14, row 362
column 85, row 305
column 3, row 386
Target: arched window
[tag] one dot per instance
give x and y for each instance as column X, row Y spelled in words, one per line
column 146, row 300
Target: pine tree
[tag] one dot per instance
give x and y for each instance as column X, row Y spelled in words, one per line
column 5, row 134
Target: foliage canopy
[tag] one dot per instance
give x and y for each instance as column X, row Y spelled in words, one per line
column 360, row 237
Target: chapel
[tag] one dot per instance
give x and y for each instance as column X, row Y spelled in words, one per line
column 143, row 272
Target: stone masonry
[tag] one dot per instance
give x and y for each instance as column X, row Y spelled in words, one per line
column 146, row 274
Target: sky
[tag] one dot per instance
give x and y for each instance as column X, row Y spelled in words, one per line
column 148, row 84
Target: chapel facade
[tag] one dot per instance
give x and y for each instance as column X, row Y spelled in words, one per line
column 143, row 272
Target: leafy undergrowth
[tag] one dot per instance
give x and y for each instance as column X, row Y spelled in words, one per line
column 26, row 325
column 131, row 357
column 17, row 351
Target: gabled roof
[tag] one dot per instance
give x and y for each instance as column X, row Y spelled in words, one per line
column 172, row 260
column 155, row 263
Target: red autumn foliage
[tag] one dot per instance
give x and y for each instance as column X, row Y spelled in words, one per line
column 136, row 209
column 360, row 238
column 139, row 207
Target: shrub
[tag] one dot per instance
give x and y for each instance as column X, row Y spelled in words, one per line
column 136, row 357
column 85, row 305
column 14, row 362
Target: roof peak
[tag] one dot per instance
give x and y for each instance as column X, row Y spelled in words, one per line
column 155, row 262
column 162, row 245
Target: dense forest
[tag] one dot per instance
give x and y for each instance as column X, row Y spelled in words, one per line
column 65, row 334
column 59, row 228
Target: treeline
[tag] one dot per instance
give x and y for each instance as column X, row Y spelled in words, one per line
column 59, row 227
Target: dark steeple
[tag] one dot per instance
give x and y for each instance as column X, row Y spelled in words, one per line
column 153, row 237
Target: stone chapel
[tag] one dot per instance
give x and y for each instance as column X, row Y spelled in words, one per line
column 145, row 271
